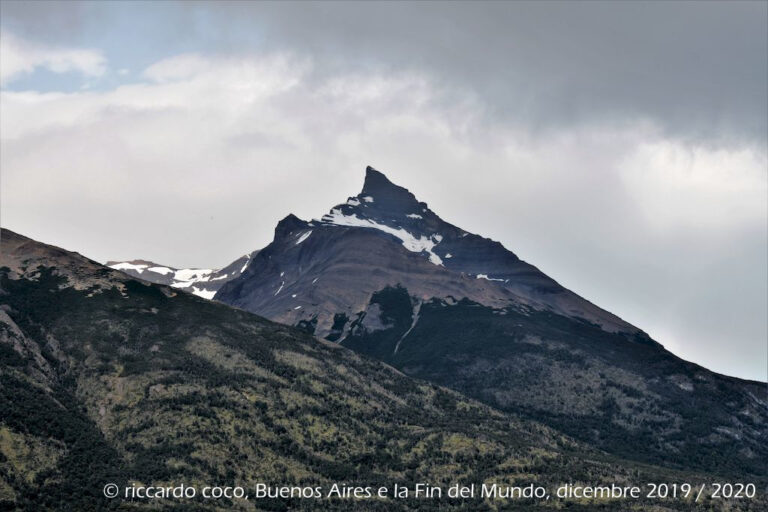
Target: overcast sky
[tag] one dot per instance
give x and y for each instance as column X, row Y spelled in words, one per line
column 620, row 147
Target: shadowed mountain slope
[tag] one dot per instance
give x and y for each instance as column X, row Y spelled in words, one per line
column 384, row 275
column 385, row 236
column 105, row 378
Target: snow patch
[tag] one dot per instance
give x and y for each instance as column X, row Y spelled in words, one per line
column 353, row 201
column 193, row 274
column 409, row 241
column 186, row 277
column 304, row 237
column 414, row 216
column 206, row 294
column 435, row 259
column 297, row 307
column 315, row 280
column 293, row 296
column 367, row 199
column 416, row 312
column 247, row 261
column 282, row 283
column 130, row 266
column 449, row 255
column 485, row 276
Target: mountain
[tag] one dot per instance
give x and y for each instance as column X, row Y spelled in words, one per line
column 106, row 378
column 384, row 236
column 384, row 275
column 203, row 282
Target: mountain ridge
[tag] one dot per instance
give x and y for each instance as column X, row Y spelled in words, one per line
column 202, row 282
column 107, row 378
column 395, row 212
column 384, row 275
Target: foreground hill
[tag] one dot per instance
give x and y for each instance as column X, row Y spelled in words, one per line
column 104, row 378
column 384, row 275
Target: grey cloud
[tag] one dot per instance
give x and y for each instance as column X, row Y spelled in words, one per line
column 541, row 72
column 45, row 19
column 698, row 69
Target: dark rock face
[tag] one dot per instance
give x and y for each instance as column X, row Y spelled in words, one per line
column 626, row 395
column 383, row 237
column 384, row 275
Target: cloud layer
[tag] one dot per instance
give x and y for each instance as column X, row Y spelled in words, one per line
column 647, row 202
column 19, row 57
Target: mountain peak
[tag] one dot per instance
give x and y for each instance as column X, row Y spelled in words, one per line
column 385, row 194
column 288, row 224
column 376, row 181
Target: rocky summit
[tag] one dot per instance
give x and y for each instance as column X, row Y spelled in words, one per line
column 383, row 274
column 315, row 270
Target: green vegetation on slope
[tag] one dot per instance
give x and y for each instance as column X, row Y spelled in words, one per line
column 131, row 382
column 631, row 398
